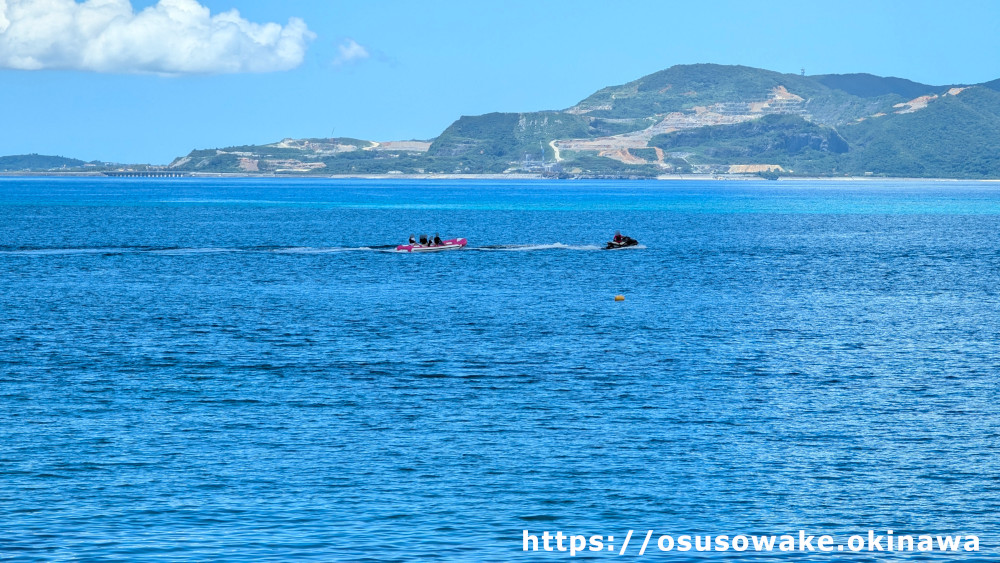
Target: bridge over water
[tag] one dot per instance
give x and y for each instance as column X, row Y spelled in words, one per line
column 145, row 174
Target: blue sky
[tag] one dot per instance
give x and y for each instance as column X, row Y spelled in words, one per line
column 405, row 70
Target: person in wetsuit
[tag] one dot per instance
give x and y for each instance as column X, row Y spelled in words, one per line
column 437, row 238
column 413, row 240
column 423, row 240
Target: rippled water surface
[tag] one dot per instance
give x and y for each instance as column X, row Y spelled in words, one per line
column 244, row 370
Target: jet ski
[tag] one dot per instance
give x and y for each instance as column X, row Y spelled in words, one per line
column 621, row 242
column 450, row 244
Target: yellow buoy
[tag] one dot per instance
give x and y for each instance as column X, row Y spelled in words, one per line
column 619, row 298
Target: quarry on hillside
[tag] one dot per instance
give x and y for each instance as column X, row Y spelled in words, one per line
column 616, row 147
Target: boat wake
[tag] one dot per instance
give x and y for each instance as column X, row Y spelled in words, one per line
column 333, row 249
column 531, row 247
column 181, row 250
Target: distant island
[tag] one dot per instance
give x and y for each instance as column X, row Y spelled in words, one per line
column 704, row 119
column 33, row 162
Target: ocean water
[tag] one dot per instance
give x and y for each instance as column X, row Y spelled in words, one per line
column 234, row 370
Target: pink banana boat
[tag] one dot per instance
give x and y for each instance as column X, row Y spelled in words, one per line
column 450, row 244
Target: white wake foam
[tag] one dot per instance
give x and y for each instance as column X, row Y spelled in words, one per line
column 530, row 247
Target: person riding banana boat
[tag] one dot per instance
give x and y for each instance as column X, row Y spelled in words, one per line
column 431, row 244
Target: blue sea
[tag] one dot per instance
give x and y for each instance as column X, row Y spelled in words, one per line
column 244, row 370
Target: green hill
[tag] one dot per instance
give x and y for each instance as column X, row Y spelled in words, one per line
column 725, row 115
column 871, row 86
column 685, row 87
column 701, row 118
column 497, row 138
column 37, row 162
column 953, row 137
column 992, row 84
column 786, row 140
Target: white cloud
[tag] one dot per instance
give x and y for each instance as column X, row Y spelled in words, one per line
column 171, row 37
column 350, row 52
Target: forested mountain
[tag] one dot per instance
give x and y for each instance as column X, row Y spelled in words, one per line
column 702, row 118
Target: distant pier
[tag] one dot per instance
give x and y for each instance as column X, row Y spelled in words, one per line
column 145, row 174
